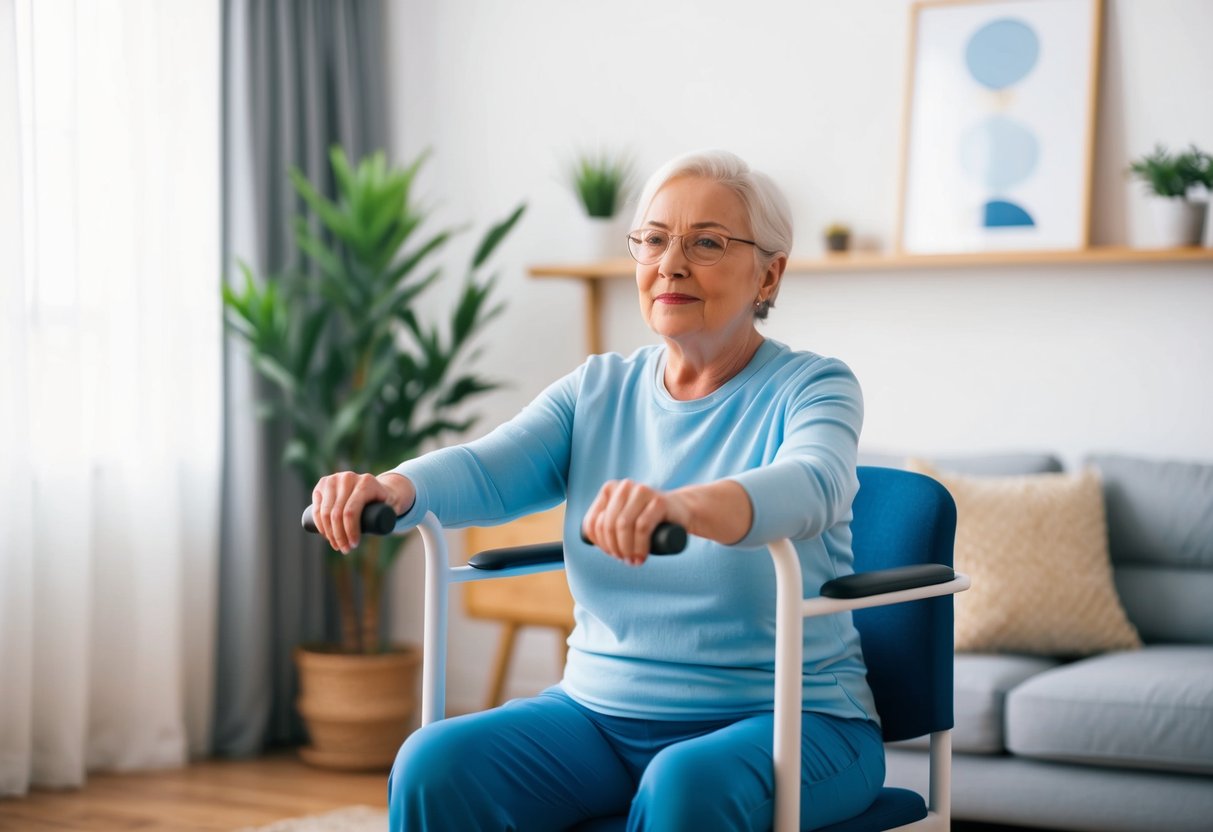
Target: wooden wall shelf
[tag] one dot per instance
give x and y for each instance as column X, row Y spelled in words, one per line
column 877, row 261
column 592, row 273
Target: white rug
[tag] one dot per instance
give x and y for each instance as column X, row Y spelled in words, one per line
column 350, row 819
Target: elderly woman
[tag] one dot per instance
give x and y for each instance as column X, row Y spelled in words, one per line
column 665, row 709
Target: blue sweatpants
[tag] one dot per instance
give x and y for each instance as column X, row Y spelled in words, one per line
column 549, row 763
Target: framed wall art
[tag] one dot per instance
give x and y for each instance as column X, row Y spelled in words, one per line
column 998, row 136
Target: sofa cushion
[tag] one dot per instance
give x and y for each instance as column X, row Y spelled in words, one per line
column 1036, row 549
column 982, row 682
column 1149, row 708
column 1042, row 794
column 1169, row 606
column 1159, row 513
column 1160, row 537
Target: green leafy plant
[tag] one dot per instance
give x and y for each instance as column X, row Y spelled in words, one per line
column 1170, row 174
column 1196, row 167
column 601, row 181
column 361, row 381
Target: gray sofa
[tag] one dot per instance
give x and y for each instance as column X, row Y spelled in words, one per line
column 1118, row 742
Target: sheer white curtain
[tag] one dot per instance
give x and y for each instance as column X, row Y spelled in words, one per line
column 110, row 384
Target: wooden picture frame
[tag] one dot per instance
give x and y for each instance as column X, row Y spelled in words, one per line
column 999, row 126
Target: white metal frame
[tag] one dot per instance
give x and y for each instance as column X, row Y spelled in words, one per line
column 791, row 608
column 439, row 575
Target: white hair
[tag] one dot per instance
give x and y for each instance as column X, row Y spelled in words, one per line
column 765, row 204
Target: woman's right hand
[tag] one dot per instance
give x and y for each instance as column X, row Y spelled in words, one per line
column 338, row 500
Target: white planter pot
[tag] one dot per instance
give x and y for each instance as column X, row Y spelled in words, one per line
column 1177, row 221
column 1201, row 195
column 606, row 237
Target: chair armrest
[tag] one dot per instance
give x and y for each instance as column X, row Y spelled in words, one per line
column 668, row 539
column 493, row 560
column 864, row 584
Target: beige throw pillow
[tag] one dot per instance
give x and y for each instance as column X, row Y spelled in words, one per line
column 1036, row 547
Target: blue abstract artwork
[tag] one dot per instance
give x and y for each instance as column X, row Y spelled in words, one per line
column 1000, row 151
column 1001, row 53
column 1000, row 122
column 999, row 213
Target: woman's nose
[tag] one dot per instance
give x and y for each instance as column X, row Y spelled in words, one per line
column 673, row 262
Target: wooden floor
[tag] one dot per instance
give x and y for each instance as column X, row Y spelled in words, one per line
column 217, row 796
column 207, row 797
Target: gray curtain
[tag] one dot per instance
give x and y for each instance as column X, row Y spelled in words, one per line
column 299, row 76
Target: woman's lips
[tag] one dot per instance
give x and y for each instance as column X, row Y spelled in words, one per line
column 674, row 298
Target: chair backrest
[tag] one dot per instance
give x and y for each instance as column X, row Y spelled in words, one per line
column 902, row 518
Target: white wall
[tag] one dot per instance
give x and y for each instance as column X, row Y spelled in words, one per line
column 1070, row 359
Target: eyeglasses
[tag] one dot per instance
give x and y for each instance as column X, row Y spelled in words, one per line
column 648, row 245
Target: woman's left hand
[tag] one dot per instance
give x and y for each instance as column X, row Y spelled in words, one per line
column 623, row 516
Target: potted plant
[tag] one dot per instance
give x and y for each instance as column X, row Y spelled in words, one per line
column 1178, row 220
column 601, row 182
column 838, row 237
column 363, row 383
column 1197, row 168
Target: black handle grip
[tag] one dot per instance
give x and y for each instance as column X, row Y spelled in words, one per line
column 668, row 539
column 377, row 518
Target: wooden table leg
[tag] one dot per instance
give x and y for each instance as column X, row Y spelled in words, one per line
column 501, row 664
column 593, row 315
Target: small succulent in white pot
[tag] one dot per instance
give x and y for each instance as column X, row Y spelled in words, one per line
column 1174, row 182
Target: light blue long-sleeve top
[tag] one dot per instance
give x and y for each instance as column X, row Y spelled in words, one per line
column 690, row 636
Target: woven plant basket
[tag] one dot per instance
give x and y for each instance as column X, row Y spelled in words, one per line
column 357, row 708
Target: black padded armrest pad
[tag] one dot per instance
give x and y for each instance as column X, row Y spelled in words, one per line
column 496, row 559
column 863, row 584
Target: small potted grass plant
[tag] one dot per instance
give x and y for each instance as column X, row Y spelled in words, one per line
column 602, row 183
column 1173, row 182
